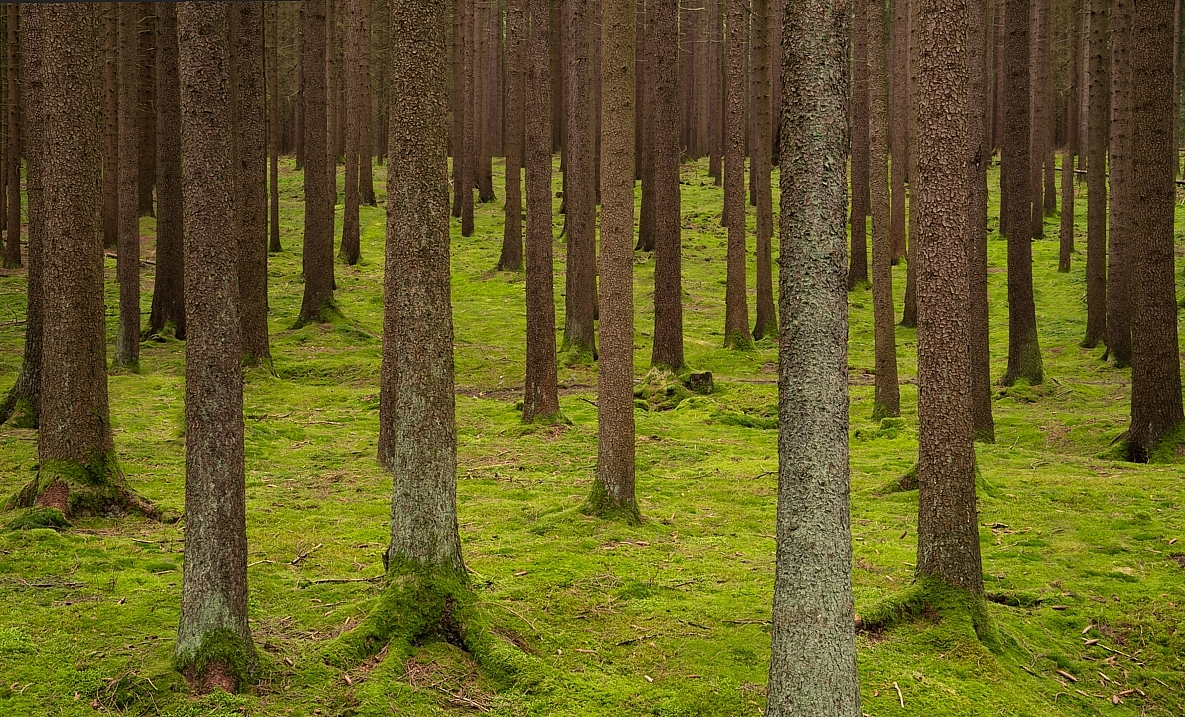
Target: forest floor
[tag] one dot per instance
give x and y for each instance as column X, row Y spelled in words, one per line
column 666, row 618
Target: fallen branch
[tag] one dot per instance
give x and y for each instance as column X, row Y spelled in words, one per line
column 632, row 640
column 305, row 554
column 325, row 581
column 900, row 697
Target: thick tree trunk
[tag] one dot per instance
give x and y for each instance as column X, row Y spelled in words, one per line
column 1066, row 233
column 317, row 257
column 948, row 530
column 667, row 351
column 146, row 171
column 127, row 337
column 273, row 124
column 12, row 153
column 813, row 665
column 1098, row 111
column 351, row 246
column 898, row 122
column 418, row 434
column 580, row 200
column 1119, row 309
column 887, row 394
column 979, row 129
column 168, row 292
column 1024, row 353
column 511, row 258
column 1156, row 366
column 110, row 124
column 541, row 398
column 214, row 647
column 858, row 260
column 613, row 489
column 249, row 147
column 766, row 322
column 736, row 293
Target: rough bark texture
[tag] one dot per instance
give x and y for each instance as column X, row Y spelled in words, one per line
column 12, row 153
column 1024, row 353
column 110, row 124
column 365, row 111
column 351, row 246
column 580, row 200
column 1040, row 107
column 948, row 531
column 1098, row 111
column 761, row 151
column 645, row 172
column 858, row 261
column 168, row 291
column 668, row 283
column 317, row 257
column 1156, row 367
column 736, row 294
column 898, row 122
column 541, row 398
column 613, row 489
column 511, row 258
column 249, row 147
column 887, row 394
column 1070, row 141
column 469, row 139
column 127, row 336
column 977, row 262
column 813, row 663
column 214, row 647
column 418, row 434
column 146, row 107
column 274, row 129
column 1119, row 308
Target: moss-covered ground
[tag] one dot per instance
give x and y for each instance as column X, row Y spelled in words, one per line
column 664, row 618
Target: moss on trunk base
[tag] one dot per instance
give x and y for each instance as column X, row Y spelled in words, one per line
column 221, row 660
column 80, row 489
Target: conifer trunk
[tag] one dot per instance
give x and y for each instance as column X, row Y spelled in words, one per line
column 766, row 322
column 1119, row 308
column 274, row 130
column 127, row 337
column 979, row 129
column 351, row 242
column 1098, row 112
column 1066, row 233
column 168, row 292
column 12, row 153
column 580, row 201
column 736, row 293
column 146, row 114
column 110, row 124
column 858, row 261
column 511, row 258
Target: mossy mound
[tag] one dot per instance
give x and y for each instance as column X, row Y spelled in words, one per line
column 38, row 518
column 72, row 488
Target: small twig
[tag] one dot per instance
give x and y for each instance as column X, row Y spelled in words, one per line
column 259, row 562
column 16, row 322
column 591, row 403
column 747, row 622
column 764, row 474
column 28, row 584
column 1117, row 652
column 900, row 697
column 516, row 614
column 326, row 581
column 305, row 554
column 632, row 640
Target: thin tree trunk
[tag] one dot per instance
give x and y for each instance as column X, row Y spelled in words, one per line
column 127, row 337
column 580, row 284
column 640, row 64
column 457, row 144
column 214, row 646
column 483, row 84
column 736, row 294
column 146, row 150
column 1098, row 111
column 1119, row 309
column 858, row 260
column 668, row 283
column 541, row 398
column 909, row 311
column 1066, row 234
column 301, row 92
column 365, row 112
column 898, row 122
column 512, row 227
column 12, row 153
column 813, row 662
column 766, row 322
column 715, row 90
column 887, row 394
column 1156, row 364
column 1039, row 106
column 613, row 489
column 647, row 220
column 110, row 124
column 979, row 129
column 273, row 123
column 317, row 256
column 168, row 292
column 351, row 246
column 469, row 137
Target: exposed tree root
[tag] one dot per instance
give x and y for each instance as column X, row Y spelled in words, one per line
column 601, row 504
column 74, row 489
column 222, row 660
column 933, row 600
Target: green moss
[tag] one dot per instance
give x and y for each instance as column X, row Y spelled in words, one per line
column 39, row 518
column 662, row 389
column 1170, row 448
column 739, row 341
column 933, row 600
column 222, row 647
column 602, row 505
column 327, row 313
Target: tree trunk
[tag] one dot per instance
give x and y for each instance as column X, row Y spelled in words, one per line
column 647, row 219
column 214, row 647
column 334, row 130
column 483, row 85
column 715, row 90
column 541, row 398
column 668, row 284
column 887, row 394
column 469, row 138
column 317, row 258
column 168, row 292
column 736, row 292
column 457, row 144
column 301, row 91
column 898, row 122
column 12, row 153
column 858, row 261
column 948, row 531
column 1024, row 353
column 1066, row 234
column 273, row 123
column 365, row 113
column 1156, row 366
column 580, row 200
column 613, row 489
column 512, row 227
column 979, row 129
column 766, row 323
column 351, row 246
column 1119, row 309
column 1039, row 106
column 418, row 434
column 813, row 662
column 1098, row 111
column 146, row 150
column 78, row 470
column 249, row 147
column 127, row 337
column 110, row 124
column 909, row 311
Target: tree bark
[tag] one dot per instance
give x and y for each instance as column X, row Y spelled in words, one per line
column 110, row 124
column 1098, row 111
column 766, row 322
column 613, row 488
column 366, row 112
column 813, row 662
column 214, row 646
column 1066, row 233
column 351, row 242
column 249, row 147
column 858, row 263
column 715, row 90
column 898, row 122
column 146, row 171
column 1156, row 366
column 418, row 435
column 457, row 146
column 127, row 337
column 12, row 153
column 1119, row 309
column 511, row 258
column 274, row 131
column 667, row 351
column 541, row 398
column 980, row 154
column 647, row 220
column 1024, row 352
column 301, row 92
column 1040, row 106
column 168, row 292
column 469, row 137
column 580, row 200
column 736, row 294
